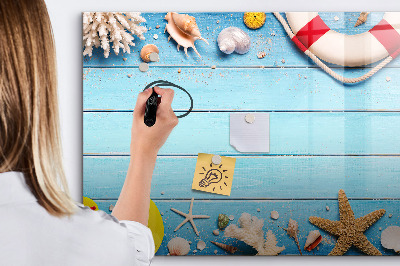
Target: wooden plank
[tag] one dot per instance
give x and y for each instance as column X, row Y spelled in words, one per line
column 276, row 89
column 272, row 177
column 309, row 133
column 299, row 210
column 271, row 38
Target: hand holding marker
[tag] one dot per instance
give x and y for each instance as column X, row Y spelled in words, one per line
column 152, row 102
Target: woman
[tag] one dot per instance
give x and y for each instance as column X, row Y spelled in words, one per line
column 39, row 222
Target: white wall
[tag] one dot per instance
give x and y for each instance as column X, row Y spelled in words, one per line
column 67, row 25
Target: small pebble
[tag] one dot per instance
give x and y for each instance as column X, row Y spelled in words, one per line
column 217, row 21
column 190, row 242
column 179, row 70
column 129, row 75
column 305, row 77
column 208, row 28
column 195, row 251
column 161, row 213
column 149, row 28
column 162, row 192
column 215, row 251
column 216, row 232
column 272, row 33
column 336, row 18
column 124, row 59
column 390, row 215
column 111, row 208
column 380, row 228
column 327, row 208
column 388, row 79
column 158, row 26
column 143, row 67
column 283, row 61
column 231, row 217
column 274, row 215
column 155, row 36
column 213, row 67
column 258, row 210
column 154, row 57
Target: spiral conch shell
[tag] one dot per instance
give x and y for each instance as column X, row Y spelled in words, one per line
column 313, row 239
column 178, row 246
column 390, row 238
column 233, row 39
column 183, row 29
column 147, row 50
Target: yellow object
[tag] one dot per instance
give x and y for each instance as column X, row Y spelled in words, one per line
column 214, row 178
column 254, row 20
column 90, row 203
column 156, row 225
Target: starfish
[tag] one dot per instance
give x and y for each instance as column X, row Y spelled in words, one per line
column 350, row 231
column 189, row 217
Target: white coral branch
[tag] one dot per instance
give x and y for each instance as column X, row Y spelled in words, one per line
column 251, row 233
column 102, row 28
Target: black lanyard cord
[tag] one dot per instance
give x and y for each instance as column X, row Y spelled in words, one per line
column 166, row 83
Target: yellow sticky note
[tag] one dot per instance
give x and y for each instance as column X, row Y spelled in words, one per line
column 214, row 178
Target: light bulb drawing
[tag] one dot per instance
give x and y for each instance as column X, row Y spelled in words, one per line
column 213, row 176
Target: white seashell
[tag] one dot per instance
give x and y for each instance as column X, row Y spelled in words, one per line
column 201, row 245
column 274, row 215
column 178, row 246
column 233, row 39
column 390, row 238
column 312, row 239
column 181, row 38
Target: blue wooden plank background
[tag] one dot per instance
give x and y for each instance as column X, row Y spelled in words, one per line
column 300, row 210
column 324, row 135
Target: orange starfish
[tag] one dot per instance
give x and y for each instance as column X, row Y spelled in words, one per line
column 349, row 230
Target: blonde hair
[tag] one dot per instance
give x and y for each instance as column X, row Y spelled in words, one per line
column 29, row 122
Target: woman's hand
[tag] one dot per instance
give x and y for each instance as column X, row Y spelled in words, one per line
column 148, row 140
column 134, row 201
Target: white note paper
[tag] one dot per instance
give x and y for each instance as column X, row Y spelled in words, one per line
column 249, row 137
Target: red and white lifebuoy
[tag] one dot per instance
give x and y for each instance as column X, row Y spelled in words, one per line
column 311, row 33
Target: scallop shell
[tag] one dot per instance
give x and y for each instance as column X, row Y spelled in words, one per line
column 390, row 238
column 187, row 24
column 178, row 246
column 228, row 248
column 182, row 39
column 233, row 39
column 201, row 245
column 147, row 50
column 313, row 239
column 361, row 19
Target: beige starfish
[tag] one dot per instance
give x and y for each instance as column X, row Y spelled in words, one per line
column 189, row 217
column 350, row 231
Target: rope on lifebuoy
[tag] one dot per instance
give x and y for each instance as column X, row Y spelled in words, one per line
column 322, row 65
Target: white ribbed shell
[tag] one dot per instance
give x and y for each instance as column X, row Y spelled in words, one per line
column 233, row 39
column 178, row 246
